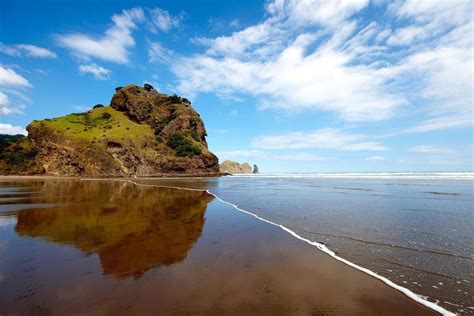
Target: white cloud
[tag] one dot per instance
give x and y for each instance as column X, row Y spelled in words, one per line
column 99, row 73
column 163, row 20
column 442, row 122
column 375, row 158
column 431, row 149
column 441, row 13
column 405, row 36
column 234, row 24
column 328, row 138
column 316, row 12
column 27, row 50
column 310, row 55
column 322, row 80
column 8, row 77
column 11, row 129
column 5, row 106
column 159, row 54
column 113, row 45
column 285, row 72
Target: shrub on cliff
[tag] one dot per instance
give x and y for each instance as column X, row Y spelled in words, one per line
column 183, row 146
column 148, row 87
column 174, row 98
column 194, row 135
column 185, row 100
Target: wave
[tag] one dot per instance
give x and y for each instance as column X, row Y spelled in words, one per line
column 416, row 297
column 468, row 175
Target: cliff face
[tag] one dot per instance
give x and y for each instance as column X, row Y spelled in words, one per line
column 142, row 133
column 233, row 167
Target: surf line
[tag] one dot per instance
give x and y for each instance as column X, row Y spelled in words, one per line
column 415, row 297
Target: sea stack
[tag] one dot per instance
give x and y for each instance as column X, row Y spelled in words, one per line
column 233, row 167
column 255, row 169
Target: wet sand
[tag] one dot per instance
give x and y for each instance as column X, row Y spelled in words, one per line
column 98, row 247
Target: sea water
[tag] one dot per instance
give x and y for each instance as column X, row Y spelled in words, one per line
column 415, row 229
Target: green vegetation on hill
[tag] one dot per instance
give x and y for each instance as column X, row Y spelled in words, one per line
column 183, row 146
column 19, row 153
column 101, row 122
column 7, row 140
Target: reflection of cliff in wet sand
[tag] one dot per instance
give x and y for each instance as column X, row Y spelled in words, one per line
column 131, row 231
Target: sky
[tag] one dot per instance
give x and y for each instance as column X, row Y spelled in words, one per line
column 292, row 86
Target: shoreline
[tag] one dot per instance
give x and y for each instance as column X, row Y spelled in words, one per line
column 157, row 176
column 439, row 175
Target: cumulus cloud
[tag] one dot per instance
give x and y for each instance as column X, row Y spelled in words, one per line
column 11, row 129
column 328, row 138
column 8, row 77
column 27, row 50
column 99, row 73
column 319, row 55
column 113, row 45
column 163, row 20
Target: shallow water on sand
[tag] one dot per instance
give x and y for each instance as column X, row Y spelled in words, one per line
column 110, row 247
column 416, row 231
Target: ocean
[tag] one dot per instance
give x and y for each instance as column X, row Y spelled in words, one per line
column 415, row 229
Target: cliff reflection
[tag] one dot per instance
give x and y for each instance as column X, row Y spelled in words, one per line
column 131, row 228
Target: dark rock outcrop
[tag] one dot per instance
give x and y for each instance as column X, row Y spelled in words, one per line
column 255, row 169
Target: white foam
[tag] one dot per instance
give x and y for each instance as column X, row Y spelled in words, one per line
column 417, row 298
column 368, row 175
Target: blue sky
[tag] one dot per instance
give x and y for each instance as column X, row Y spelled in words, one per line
column 293, row 86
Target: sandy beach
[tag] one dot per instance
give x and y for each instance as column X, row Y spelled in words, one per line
column 103, row 247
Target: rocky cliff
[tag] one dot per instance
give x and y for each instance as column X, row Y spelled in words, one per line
column 141, row 133
column 229, row 166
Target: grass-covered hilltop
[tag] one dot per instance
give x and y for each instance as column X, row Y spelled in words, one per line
column 142, row 133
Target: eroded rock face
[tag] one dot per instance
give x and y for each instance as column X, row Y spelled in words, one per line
column 131, row 137
column 232, row 167
column 166, row 114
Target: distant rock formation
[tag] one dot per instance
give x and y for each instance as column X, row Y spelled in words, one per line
column 232, row 167
column 255, row 169
column 142, row 133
